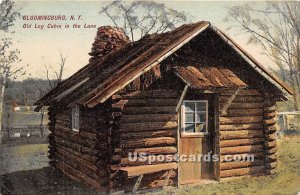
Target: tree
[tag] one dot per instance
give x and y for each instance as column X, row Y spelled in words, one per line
column 54, row 77
column 8, row 57
column 7, row 15
column 276, row 28
column 139, row 18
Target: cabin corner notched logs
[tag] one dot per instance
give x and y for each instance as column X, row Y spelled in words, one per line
column 81, row 156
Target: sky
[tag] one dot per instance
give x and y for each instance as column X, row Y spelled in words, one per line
column 39, row 47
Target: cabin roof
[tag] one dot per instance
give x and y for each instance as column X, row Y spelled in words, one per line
column 97, row 81
column 208, row 77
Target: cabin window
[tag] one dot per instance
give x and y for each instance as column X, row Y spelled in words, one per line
column 75, row 118
column 194, row 117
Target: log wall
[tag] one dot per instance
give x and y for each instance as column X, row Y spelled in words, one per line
column 248, row 128
column 142, row 121
column 80, row 155
column 242, row 133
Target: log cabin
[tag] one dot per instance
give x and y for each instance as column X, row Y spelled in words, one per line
column 189, row 91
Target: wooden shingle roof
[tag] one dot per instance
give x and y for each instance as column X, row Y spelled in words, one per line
column 209, row 77
column 97, row 81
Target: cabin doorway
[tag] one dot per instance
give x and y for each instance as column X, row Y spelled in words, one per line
column 195, row 141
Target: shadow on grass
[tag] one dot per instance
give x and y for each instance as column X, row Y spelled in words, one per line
column 41, row 181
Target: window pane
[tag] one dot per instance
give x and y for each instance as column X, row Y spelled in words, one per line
column 201, row 117
column 189, row 106
column 200, row 127
column 189, row 117
column 189, row 128
column 201, row 106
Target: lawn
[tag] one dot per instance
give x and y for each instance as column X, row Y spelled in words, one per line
column 285, row 182
column 36, row 178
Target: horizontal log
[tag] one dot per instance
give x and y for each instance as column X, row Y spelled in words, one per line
column 271, row 165
column 269, row 122
column 76, row 138
column 244, row 105
column 132, row 127
column 149, row 134
column 74, row 146
column 256, row 155
column 148, row 118
column 248, row 92
column 270, row 115
column 99, row 129
column 270, row 129
column 240, row 120
column 151, row 102
column 79, row 176
column 234, row 127
column 270, row 109
column 77, row 159
column 154, row 150
column 271, row 151
column 242, row 149
column 240, row 142
column 242, row 99
column 129, row 162
column 241, row 134
column 152, row 94
column 147, row 169
column 271, row 158
column 77, row 165
column 150, row 110
column 148, row 142
column 236, row 165
column 244, row 112
column 88, row 158
column 270, row 144
column 271, row 137
column 242, row 171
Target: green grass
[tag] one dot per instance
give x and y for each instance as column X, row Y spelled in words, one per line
column 285, row 182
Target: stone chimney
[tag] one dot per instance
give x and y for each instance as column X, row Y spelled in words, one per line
column 107, row 40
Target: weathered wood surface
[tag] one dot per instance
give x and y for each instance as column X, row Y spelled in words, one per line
column 80, row 155
column 147, row 126
column 235, row 127
column 241, row 134
column 146, row 169
column 148, row 142
column 148, row 118
column 270, row 129
column 243, row 171
column 256, row 155
column 240, row 120
column 242, row 149
column 236, row 165
column 146, row 123
column 241, row 142
column 79, row 176
column 248, row 128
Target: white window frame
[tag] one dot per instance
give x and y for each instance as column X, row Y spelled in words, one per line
column 75, row 118
column 197, row 134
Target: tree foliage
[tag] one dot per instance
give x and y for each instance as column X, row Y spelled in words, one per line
column 276, row 28
column 7, row 14
column 139, row 18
